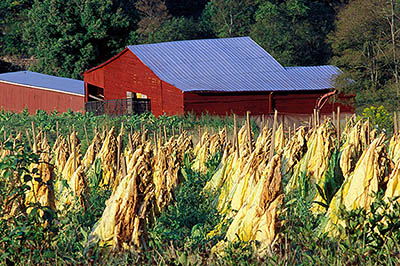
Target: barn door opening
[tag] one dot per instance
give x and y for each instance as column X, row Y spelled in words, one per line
column 95, row 93
column 137, row 103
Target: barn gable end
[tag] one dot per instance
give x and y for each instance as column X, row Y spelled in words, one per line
column 127, row 73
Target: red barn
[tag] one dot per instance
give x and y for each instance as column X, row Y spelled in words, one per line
column 26, row 89
column 217, row 76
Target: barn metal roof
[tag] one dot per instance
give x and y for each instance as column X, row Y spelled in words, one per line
column 229, row 64
column 321, row 76
column 43, row 81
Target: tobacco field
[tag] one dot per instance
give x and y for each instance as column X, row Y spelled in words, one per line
column 76, row 189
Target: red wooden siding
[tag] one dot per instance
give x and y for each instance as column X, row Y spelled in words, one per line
column 128, row 73
column 304, row 102
column 17, row 97
column 223, row 103
column 258, row 103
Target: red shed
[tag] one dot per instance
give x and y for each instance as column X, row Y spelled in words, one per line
column 26, row 89
column 217, row 76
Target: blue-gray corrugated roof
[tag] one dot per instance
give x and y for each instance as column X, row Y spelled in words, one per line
column 45, row 81
column 230, row 64
column 320, row 76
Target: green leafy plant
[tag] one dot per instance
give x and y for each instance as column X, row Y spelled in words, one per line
column 333, row 180
column 26, row 230
column 379, row 117
column 191, row 216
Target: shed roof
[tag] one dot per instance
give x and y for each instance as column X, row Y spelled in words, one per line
column 43, row 81
column 228, row 64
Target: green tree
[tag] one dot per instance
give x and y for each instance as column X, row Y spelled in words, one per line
column 229, row 18
column 294, row 31
column 366, row 44
column 13, row 15
column 176, row 29
column 153, row 13
column 68, row 37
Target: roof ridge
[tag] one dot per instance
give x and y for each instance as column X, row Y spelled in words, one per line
column 193, row 40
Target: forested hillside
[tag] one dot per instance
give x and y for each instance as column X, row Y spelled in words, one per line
column 65, row 38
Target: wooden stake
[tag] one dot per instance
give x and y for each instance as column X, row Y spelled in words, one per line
column 262, row 121
column 368, row 132
column 86, row 134
column 249, row 139
column 130, row 142
column 398, row 122
column 74, row 150
column 144, row 135
column 173, row 132
column 155, row 141
column 122, row 130
column 123, row 166
column 338, row 125
column 272, row 148
column 165, row 134
column 200, row 140
column 69, row 144
column 29, row 138
column 160, row 132
column 119, row 146
column 315, row 118
column 236, row 137
column 34, row 137
column 57, row 128
column 395, row 123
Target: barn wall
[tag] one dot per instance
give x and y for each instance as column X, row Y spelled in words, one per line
column 128, row 73
column 17, row 97
column 304, row 103
column 226, row 103
column 172, row 99
column 258, row 103
column 95, row 77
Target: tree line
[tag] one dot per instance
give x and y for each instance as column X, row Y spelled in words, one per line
column 65, row 38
